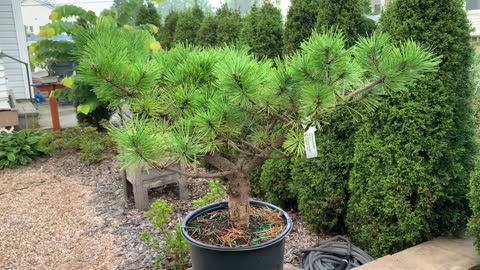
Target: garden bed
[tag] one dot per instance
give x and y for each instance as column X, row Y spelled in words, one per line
column 107, row 228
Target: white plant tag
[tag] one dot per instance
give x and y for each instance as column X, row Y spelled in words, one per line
column 310, row 144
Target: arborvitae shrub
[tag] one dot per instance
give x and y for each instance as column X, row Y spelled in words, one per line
column 413, row 158
column 188, row 23
column 321, row 183
column 229, row 25
column 167, row 33
column 301, row 20
column 148, row 15
column 347, row 15
column 276, row 183
column 262, row 31
column 207, row 34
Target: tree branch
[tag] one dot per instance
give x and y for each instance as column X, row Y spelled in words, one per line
column 188, row 174
column 220, row 162
column 364, row 89
column 265, row 155
column 108, row 79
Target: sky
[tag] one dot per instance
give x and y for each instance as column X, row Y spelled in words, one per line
column 99, row 5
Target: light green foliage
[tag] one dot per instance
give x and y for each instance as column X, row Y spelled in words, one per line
column 275, row 183
column 216, row 192
column 413, row 158
column 92, row 144
column 301, row 19
column 21, row 147
column 175, row 248
column 262, row 31
column 188, row 24
column 346, row 15
column 226, row 107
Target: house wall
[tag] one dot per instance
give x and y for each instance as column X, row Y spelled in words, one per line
column 13, row 42
column 35, row 14
column 474, row 17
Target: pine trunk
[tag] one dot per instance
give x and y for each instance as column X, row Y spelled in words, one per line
column 238, row 203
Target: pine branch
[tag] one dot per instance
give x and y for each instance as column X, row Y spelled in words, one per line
column 109, row 79
column 364, row 89
column 265, row 155
column 141, row 79
column 188, row 174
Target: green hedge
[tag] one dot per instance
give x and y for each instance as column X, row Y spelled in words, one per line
column 275, row 183
column 413, row 157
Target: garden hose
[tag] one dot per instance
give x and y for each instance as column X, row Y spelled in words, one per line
column 336, row 253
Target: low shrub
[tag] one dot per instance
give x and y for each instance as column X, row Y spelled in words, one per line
column 275, row 183
column 92, row 144
column 174, row 251
column 21, row 147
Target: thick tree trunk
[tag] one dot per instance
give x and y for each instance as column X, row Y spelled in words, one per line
column 238, row 203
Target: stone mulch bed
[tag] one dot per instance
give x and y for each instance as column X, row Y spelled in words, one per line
column 60, row 213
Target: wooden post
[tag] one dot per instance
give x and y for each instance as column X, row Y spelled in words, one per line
column 49, row 88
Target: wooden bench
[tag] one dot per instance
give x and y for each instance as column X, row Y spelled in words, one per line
column 137, row 182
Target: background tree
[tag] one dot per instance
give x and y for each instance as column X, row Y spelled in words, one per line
column 188, row 23
column 347, row 15
column 301, row 19
column 207, row 34
column 413, row 158
column 262, row 31
column 229, row 25
column 229, row 109
column 167, row 35
column 148, row 14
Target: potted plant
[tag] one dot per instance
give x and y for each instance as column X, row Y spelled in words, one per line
column 228, row 109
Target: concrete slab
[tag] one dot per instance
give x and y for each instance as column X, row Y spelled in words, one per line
column 67, row 115
column 439, row 254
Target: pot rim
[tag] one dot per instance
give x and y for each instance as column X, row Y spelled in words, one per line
column 223, row 205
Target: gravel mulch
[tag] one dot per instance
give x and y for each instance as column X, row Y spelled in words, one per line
column 60, row 213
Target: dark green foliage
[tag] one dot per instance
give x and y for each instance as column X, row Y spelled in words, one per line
column 229, row 25
column 148, row 14
column 167, row 33
column 20, row 148
column 92, row 145
column 96, row 117
column 321, row 183
column 413, row 158
column 207, row 34
column 301, row 20
column 262, row 31
column 347, row 15
column 275, row 183
column 188, row 23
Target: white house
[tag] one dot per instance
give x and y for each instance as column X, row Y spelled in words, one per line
column 35, row 14
column 13, row 43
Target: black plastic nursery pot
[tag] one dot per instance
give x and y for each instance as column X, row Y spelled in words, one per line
column 265, row 256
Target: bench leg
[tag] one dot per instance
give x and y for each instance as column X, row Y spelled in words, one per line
column 183, row 187
column 140, row 195
column 127, row 186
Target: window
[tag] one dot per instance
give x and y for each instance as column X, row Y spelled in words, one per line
column 473, row 4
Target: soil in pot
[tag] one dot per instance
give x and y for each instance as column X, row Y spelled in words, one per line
column 214, row 228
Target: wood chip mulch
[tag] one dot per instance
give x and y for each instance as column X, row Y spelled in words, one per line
column 60, row 213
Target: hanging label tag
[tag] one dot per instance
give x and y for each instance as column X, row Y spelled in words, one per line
column 310, row 144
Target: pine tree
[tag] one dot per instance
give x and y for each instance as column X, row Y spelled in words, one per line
column 301, row 20
column 347, row 15
column 229, row 25
column 207, row 34
column 188, row 23
column 148, row 15
column 413, row 158
column 262, row 31
column 167, row 35
column 229, row 109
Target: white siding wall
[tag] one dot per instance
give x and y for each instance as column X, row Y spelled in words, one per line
column 13, row 42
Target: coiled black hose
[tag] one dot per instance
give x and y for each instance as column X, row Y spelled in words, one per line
column 336, row 253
